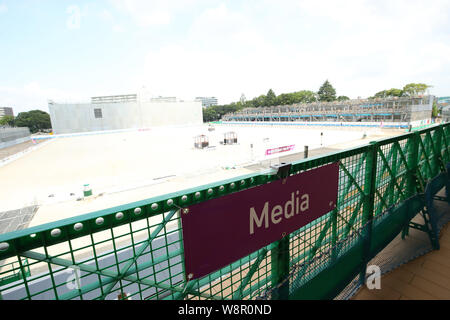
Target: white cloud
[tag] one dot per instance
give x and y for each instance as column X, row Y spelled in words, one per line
column 145, row 13
column 118, row 28
column 248, row 47
column 74, row 17
column 381, row 44
column 225, row 53
column 214, row 56
column 3, row 8
column 106, row 15
column 155, row 12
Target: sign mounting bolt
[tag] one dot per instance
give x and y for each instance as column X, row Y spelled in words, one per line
column 186, row 210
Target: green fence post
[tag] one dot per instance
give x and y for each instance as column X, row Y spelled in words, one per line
column 280, row 268
column 438, row 150
column 392, row 199
column 412, row 179
column 334, row 236
column 413, row 158
column 446, row 156
column 368, row 204
column 280, row 256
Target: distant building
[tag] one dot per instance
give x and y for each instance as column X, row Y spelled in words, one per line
column 6, row 111
column 207, row 101
column 163, row 99
column 443, row 104
column 443, row 100
column 122, row 112
column 446, row 114
column 115, row 99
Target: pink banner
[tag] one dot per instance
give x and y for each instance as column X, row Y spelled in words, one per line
column 220, row 231
column 280, row 149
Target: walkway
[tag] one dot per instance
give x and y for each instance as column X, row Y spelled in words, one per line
column 424, row 278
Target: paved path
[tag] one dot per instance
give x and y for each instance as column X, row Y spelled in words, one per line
column 424, row 278
column 9, row 151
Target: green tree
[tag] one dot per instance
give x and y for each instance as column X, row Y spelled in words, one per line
column 435, row 110
column 271, row 98
column 259, row 101
column 304, row 96
column 243, row 100
column 412, row 89
column 285, row 98
column 35, row 120
column 7, row 121
column 209, row 114
column 393, row 92
column 327, row 92
column 342, row 98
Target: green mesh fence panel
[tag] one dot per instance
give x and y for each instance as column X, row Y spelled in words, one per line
column 135, row 251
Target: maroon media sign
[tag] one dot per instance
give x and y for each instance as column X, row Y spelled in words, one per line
column 220, row 231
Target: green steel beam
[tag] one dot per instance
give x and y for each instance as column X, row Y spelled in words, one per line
column 351, row 178
column 444, row 137
column 381, row 172
column 427, row 158
column 238, row 293
column 411, row 183
column 391, row 198
column 393, row 178
column 128, row 276
column 141, row 250
column 312, row 253
column 368, row 204
column 411, row 163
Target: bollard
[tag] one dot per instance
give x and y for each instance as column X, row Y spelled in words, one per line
column 87, row 191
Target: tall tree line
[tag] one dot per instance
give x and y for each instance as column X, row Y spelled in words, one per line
column 35, row 120
column 326, row 93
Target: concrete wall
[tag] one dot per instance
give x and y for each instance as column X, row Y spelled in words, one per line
column 332, row 125
column 422, row 111
column 72, row 118
column 12, row 136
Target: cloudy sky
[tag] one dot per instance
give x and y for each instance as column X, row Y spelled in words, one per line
column 72, row 50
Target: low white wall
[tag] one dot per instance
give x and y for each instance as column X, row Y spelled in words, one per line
column 12, row 136
column 73, row 118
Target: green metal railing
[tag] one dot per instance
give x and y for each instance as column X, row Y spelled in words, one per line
column 135, row 251
column 12, row 273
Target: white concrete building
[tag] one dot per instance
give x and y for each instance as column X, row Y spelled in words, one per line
column 207, row 101
column 6, row 111
column 109, row 113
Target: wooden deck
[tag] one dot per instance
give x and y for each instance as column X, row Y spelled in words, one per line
column 425, row 278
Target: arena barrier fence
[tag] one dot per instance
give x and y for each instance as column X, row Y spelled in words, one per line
column 135, row 251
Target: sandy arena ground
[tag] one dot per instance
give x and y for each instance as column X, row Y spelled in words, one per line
column 132, row 166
